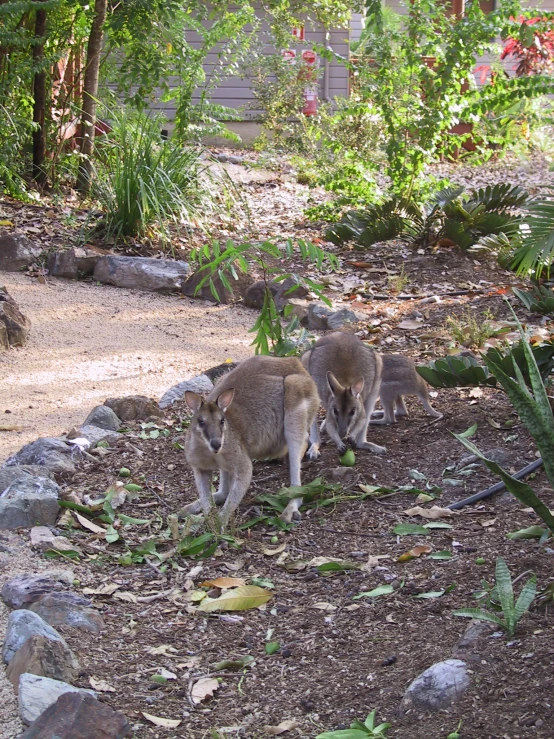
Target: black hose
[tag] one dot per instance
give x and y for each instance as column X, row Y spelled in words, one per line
column 495, row 488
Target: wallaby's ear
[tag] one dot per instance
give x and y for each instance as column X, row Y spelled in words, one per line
column 225, row 399
column 357, row 387
column 193, row 400
column 334, row 384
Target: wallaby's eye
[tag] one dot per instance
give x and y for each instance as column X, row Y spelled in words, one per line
column 352, row 412
column 222, row 422
column 335, row 411
column 201, row 422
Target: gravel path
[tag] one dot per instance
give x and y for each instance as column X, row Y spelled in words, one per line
column 90, row 342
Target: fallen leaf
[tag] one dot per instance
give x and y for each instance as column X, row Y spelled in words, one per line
column 281, row 728
column 10, row 427
column 488, row 522
column 415, row 552
column 167, row 674
column 197, row 595
column 101, row 685
column 405, row 529
column 234, row 566
column 126, row 596
column 6, row 223
column 86, row 524
column 376, row 592
column 433, row 513
column 203, row 689
column 373, row 561
column 238, row 599
column 164, row 649
column 107, row 589
column 224, row 582
column 410, row 325
column 168, row 723
column 323, row 606
column 272, row 552
column 234, row 664
column 476, row 392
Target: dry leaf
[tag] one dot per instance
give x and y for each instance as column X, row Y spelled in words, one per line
column 318, row 561
column 476, row 392
column 234, row 566
column 281, row 728
column 164, row 649
column 410, row 325
column 204, row 688
column 322, row 606
column 189, row 663
column 197, row 595
column 107, row 589
column 433, row 513
column 272, row 552
column 86, row 524
column 168, row 723
column 101, row 685
column 167, row 674
column 415, row 552
column 353, row 607
column 489, row 522
column 373, row 561
column 126, row 596
column 238, row 599
column 224, row 582
column 10, row 427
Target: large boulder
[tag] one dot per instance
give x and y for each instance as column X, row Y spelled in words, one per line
column 78, row 716
column 15, row 325
column 438, row 687
column 75, row 262
column 27, row 501
column 318, row 316
column 103, row 417
column 134, row 407
column 36, row 694
column 22, row 590
column 255, row 294
column 90, row 436
column 62, row 608
column 201, row 385
column 45, row 657
column 341, row 318
column 55, row 454
column 22, row 625
column 10, row 474
column 17, row 252
column 142, row 273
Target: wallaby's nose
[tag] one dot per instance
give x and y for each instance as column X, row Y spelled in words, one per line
column 215, row 444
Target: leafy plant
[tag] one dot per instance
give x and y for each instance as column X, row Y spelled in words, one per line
column 358, row 730
column 471, row 331
column 530, row 41
column 512, row 611
column 538, row 300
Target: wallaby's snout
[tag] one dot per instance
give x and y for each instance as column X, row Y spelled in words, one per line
column 345, row 404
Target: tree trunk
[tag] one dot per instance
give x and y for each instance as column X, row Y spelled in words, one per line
column 39, row 95
column 90, row 91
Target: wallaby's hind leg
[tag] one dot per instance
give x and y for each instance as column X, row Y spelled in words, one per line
column 360, row 437
column 387, row 401
column 238, row 485
column 224, row 485
column 401, row 409
column 313, row 452
column 428, row 407
column 203, row 481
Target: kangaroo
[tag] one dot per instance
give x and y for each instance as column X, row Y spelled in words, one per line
column 347, row 374
column 261, row 409
column 400, row 378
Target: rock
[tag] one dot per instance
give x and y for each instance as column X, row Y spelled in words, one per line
column 4, row 341
column 238, row 288
column 43, row 539
column 300, row 310
column 16, row 325
column 142, row 273
column 214, row 373
column 45, row 657
column 78, row 716
column 16, row 252
column 134, row 407
column 92, row 434
column 22, row 625
column 63, row 608
column 438, row 687
column 10, row 474
column 22, row 590
column 466, row 648
column 75, row 262
column 343, row 473
column 103, row 417
column 501, row 456
column 341, row 317
column 27, row 501
column 55, row 454
column 200, row 384
column 255, row 294
column 318, row 315
column 37, row 693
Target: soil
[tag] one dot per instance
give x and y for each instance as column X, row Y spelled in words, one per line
column 339, row 656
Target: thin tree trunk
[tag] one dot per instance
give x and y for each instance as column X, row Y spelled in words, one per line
column 90, row 91
column 39, row 95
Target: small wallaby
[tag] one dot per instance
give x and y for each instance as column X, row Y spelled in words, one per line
column 347, row 374
column 400, row 378
column 260, row 410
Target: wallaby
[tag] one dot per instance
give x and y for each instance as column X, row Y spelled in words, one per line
column 347, row 374
column 261, row 409
column 400, row 378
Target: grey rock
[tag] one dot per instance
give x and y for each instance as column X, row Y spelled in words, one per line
column 214, row 373
column 255, row 294
column 343, row 473
column 16, row 252
column 44, row 539
column 28, row 501
column 503, row 457
column 300, row 310
column 340, row 318
column 63, row 608
column 103, row 417
column 225, row 296
column 318, row 316
column 438, row 687
column 22, row 624
column 22, row 590
column 18, row 472
column 45, row 657
column 93, row 435
column 16, row 325
column 78, row 716
column 75, row 262
column 37, row 693
column 134, row 407
column 142, row 273
column 55, row 454
column 200, row 384
column 467, row 647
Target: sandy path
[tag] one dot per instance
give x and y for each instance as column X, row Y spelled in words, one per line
column 89, row 342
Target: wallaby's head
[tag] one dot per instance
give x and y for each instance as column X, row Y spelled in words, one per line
column 208, row 422
column 345, row 404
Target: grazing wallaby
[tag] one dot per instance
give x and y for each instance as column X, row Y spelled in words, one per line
column 347, row 374
column 400, row 378
column 261, row 409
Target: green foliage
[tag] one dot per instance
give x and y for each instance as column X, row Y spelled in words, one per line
column 358, row 730
column 456, row 371
column 538, row 300
column 143, row 182
column 512, row 611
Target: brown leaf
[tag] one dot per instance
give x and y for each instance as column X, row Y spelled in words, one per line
column 278, row 550
column 86, row 524
column 281, row 728
column 101, row 685
column 10, row 427
column 168, row 723
column 410, row 325
column 224, row 582
column 433, row 513
column 203, row 688
column 415, row 552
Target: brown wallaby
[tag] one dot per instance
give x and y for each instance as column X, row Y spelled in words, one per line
column 261, row 409
column 400, row 378
column 347, row 374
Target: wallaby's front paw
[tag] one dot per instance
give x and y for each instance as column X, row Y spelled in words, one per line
column 376, row 449
column 313, row 453
column 192, row 509
column 342, row 448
